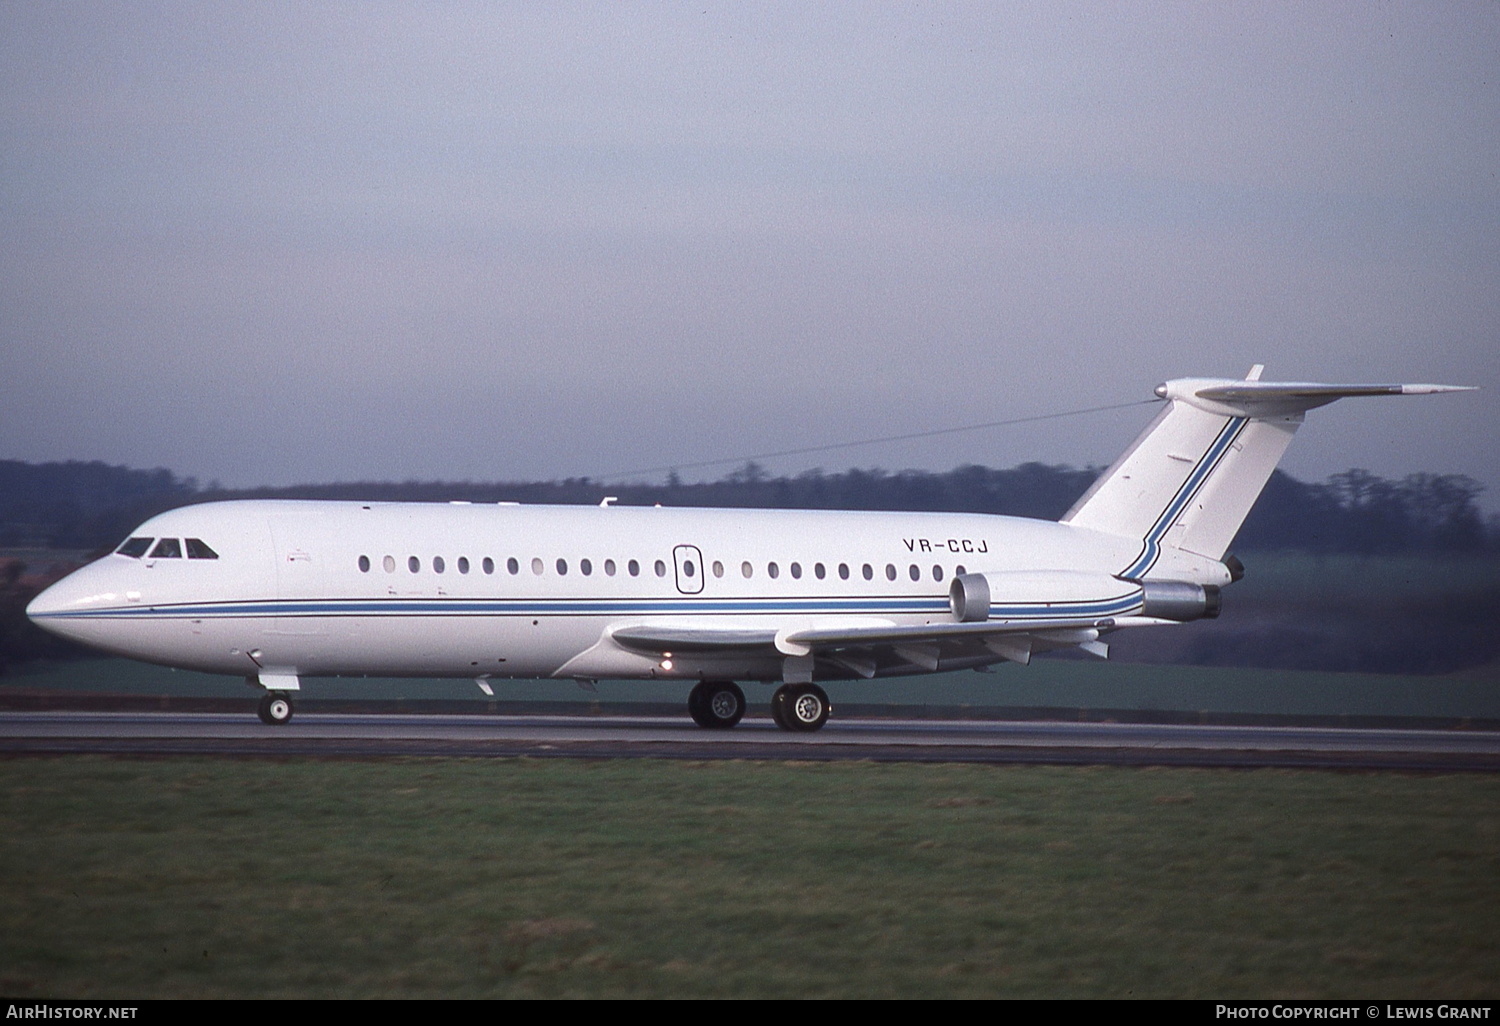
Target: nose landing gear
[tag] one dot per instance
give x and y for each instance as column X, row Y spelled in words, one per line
column 275, row 708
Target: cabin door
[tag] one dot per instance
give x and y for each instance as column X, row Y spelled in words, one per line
column 299, row 573
column 689, row 563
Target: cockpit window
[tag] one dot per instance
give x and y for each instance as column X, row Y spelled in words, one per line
column 167, row 548
column 135, row 547
column 197, row 550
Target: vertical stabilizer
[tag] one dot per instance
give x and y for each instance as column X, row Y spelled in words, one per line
column 1189, row 480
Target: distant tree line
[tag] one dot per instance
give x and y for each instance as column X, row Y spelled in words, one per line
column 82, row 505
column 88, row 506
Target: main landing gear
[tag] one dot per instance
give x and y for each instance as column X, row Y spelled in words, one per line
column 716, row 704
column 801, row 708
column 720, row 704
column 275, row 708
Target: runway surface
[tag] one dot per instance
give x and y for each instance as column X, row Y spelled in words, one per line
column 376, row 736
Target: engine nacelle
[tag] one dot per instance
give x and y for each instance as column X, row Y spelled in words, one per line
column 969, row 595
column 1059, row 593
column 1180, row 601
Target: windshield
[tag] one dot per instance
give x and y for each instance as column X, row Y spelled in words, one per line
column 197, row 550
column 167, row 548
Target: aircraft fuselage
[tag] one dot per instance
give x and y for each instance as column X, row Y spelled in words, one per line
column 464, row 590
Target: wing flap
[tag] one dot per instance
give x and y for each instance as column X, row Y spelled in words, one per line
column 937, row 632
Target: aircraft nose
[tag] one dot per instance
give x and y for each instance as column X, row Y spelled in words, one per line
column 51, row 600
column 63, row 607
column 49, row 610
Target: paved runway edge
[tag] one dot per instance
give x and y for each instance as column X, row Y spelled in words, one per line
column 33, row 735
column 14, row 699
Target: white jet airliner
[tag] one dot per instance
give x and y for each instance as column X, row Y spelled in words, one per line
column 278, row 590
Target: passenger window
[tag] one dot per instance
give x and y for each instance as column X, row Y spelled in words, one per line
column 773, row 570
column 718, row 569
column 819, row 571
column 796, row 569
column 937, row 573
column 167, row 548
column 463, row 564
column 364, row 564
column 869, row 572
column 438, row 565
column 634, row 568
column 916, row 574
column 959, row 570
column 389, row 563
column 843, row 571
column 609, row 568
column 562, row 567
column 688, row 569
column 536, row 565
column 747, row 569
column 585, row 567
column 135, row 548
column 890, row 571
column 661, row 569
column 413, row 564
column 488, row 565
column 512, row 566
column 197, row 550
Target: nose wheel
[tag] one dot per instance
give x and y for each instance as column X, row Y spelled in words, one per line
column 800, row 708
column 716, row 704
column 275, row 708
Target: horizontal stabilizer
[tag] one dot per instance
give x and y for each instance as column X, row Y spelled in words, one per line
column 1187, row 483
column 1264, row 399
column 1309, row 389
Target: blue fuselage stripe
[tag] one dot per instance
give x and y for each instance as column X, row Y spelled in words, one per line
column 272, row 608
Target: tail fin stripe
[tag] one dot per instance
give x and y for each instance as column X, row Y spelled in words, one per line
column 1151, row 547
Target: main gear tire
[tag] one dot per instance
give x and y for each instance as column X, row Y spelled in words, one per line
column 804, row 707
column 716, row 704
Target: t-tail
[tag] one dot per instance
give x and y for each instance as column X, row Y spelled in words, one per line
column 1187, row 483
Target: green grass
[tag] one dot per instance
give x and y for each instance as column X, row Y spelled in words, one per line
column 164, row 878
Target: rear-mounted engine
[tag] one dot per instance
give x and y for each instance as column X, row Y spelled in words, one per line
column 1178, row 600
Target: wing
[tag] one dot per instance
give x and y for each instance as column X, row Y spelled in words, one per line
column 871, row 649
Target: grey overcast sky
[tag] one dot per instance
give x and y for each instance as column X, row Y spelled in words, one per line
column 270, row 243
